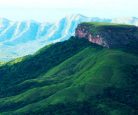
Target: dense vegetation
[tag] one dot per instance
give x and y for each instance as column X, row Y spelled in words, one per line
column 33, row 66
column 73, row 77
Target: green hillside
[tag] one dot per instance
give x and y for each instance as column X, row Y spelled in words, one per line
column 74, row 77
column 28, row 67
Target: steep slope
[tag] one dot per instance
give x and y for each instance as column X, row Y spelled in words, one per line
column 74, row 77
column 108, row 35
column 26, row 37
column 95, row 80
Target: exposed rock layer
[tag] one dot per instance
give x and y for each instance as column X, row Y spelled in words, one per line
column 107, row 35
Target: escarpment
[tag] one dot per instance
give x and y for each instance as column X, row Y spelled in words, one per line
column 107, row 34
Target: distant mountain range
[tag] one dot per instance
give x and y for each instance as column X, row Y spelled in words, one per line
column 21, row 38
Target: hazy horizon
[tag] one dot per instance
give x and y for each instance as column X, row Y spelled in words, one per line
column 45, row 10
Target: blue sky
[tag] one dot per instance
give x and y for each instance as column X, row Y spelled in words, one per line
column 50, row 10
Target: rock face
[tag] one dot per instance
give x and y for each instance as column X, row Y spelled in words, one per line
column 107, row 35
column 84, row 32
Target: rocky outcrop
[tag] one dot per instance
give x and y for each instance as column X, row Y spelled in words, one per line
column 109, row 35
column 84, row 32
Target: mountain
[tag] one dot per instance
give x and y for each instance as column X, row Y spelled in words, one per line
column 108, row 35
column 26, row 37
column 73, row 77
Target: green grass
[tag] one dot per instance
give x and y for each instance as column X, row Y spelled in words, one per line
column 105, row 26
column 33, row 66
column 78, row 79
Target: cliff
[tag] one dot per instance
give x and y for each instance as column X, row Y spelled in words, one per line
column 107, row 34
